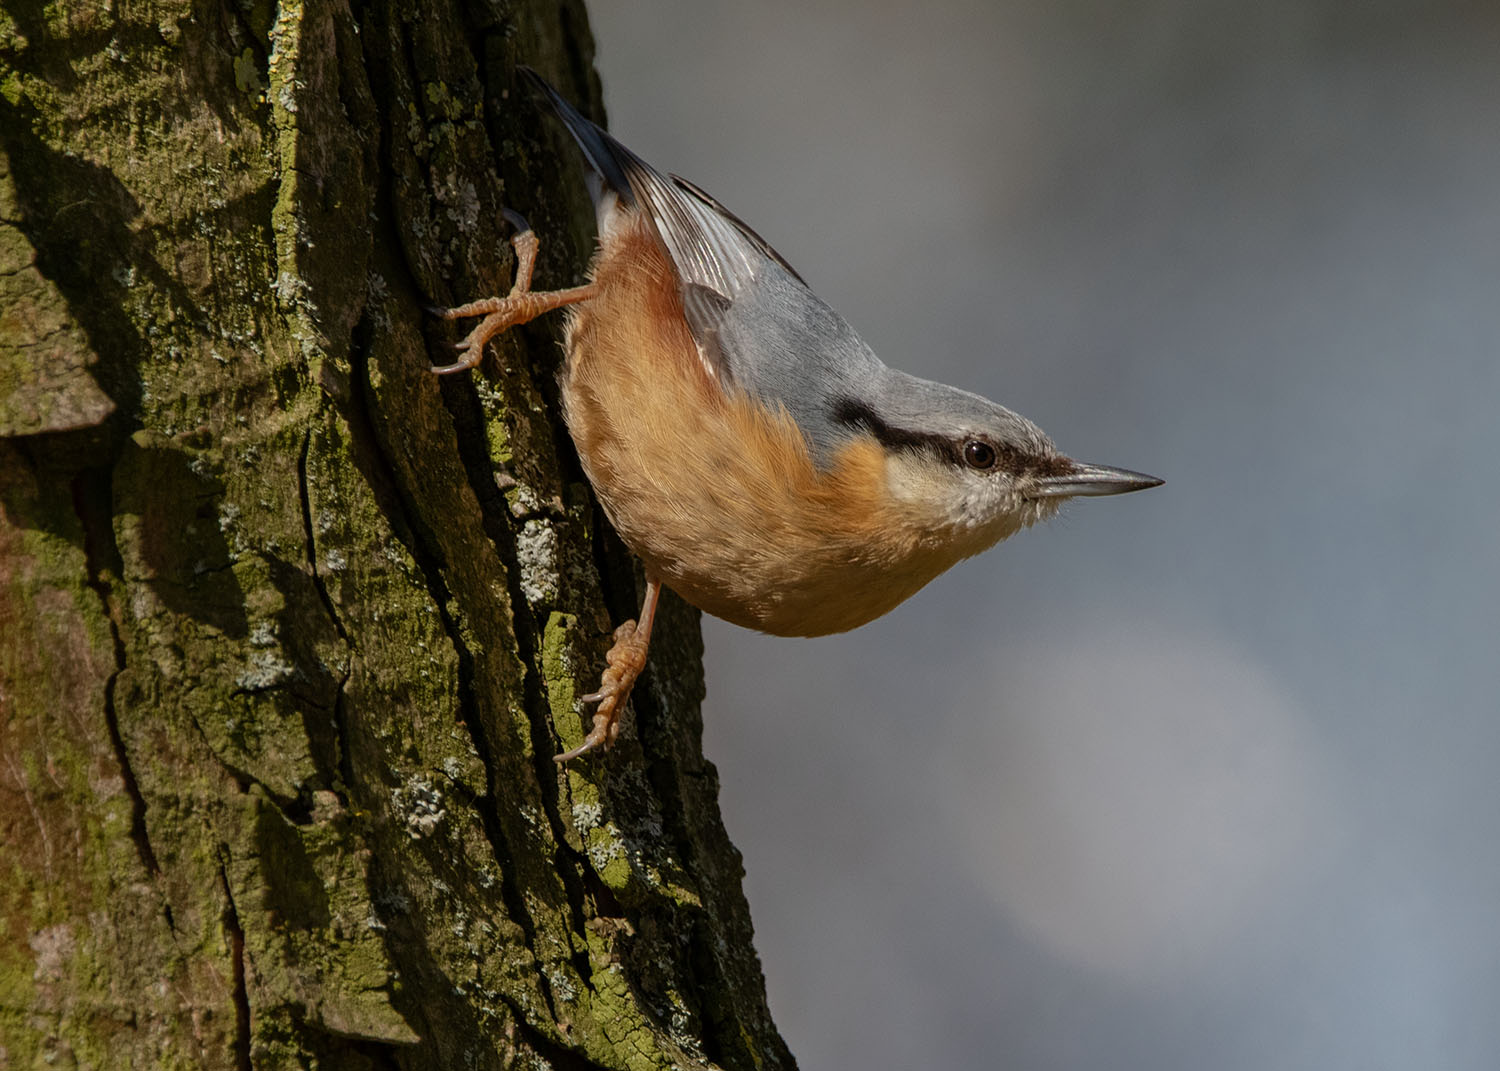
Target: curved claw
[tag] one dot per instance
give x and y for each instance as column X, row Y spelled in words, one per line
column 606, row 721
column 448, row 369
column 516, row 220
column 582, row 749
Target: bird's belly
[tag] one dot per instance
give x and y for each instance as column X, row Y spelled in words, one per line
column 795, row 599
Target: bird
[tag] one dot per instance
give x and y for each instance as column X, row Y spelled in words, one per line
column 746, row 444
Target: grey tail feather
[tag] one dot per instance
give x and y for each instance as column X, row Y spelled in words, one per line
column 604, row 154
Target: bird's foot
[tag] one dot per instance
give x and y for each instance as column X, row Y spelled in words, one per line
column 520, row 306
column 624, row 663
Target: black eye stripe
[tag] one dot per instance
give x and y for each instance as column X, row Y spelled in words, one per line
column 853, row 413
column 857, row 414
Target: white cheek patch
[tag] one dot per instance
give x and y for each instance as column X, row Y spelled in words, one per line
column 912, row 480
column 945, row 497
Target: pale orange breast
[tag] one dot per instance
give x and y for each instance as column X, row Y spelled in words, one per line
column 716, row 494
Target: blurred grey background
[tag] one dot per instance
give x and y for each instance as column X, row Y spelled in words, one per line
column 1202, row 777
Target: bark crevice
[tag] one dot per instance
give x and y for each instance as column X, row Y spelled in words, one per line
column 91, row 504
column 240, row 993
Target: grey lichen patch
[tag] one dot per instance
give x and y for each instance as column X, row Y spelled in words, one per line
column 562, row 985
column 461, row 197
column 53, row 947
column 419, row 804
column 608, row 853
column 267, row 669
column 524, row 501
column 586, row 815
column 537, row 554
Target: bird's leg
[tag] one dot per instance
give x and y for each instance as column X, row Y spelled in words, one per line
column 517, row 307
column 625, row 661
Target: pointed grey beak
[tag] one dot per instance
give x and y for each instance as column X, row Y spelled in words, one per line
column 1093, row 480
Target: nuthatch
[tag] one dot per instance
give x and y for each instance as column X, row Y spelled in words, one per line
column 747, row 445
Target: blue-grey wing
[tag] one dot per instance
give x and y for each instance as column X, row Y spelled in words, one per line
column 756, row 324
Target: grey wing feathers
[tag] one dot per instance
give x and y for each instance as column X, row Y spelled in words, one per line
column 705, row 247
column 740, row 225
column 717, row 256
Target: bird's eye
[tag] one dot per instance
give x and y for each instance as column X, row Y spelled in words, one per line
column 979, row 455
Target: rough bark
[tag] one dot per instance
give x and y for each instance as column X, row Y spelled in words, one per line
column 289, row 628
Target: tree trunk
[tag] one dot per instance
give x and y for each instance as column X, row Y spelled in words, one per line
column 289, row 627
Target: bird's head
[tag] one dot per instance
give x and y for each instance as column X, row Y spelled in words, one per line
column 969, row 471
